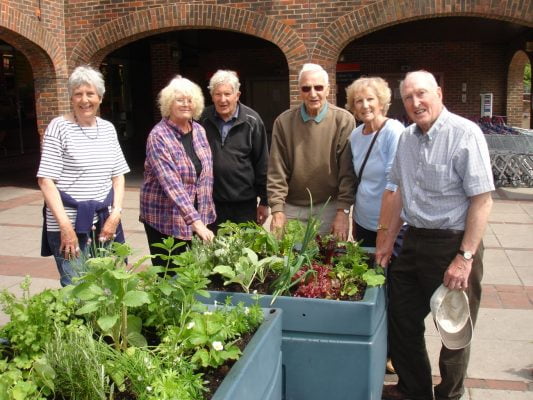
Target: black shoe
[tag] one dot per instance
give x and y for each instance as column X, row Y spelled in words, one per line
column 391, row 392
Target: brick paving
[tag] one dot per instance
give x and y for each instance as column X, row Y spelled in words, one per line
column 511, row 223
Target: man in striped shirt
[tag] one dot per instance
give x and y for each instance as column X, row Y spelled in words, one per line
column 442, row 169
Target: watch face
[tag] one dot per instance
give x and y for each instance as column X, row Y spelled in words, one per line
column 467, row 255
column 346, row 211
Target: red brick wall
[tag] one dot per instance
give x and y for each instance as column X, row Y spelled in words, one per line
column 480, row 66
column 57, row 35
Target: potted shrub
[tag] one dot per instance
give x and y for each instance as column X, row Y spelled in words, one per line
column 331, row 348
column 102, row 339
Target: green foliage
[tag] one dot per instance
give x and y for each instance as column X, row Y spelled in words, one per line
column 58, row 340
column 74, row 361
column 107, row 292
column 16, row 384
column 33, row 320
column 209, row 338
column 351, row 268
column 301, row 249
column 247, row 268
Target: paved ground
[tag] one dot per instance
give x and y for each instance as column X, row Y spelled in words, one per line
column 501, row 366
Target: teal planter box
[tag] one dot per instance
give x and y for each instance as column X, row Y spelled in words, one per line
column 257, row 375
column 334, row 350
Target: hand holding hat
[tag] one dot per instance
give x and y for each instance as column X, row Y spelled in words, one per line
column 451, row 312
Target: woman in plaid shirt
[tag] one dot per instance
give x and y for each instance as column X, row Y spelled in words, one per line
column 176, row 195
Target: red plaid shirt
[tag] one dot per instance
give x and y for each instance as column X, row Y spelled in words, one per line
column 170, row 185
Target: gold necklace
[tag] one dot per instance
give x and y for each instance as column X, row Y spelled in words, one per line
column 83, row 130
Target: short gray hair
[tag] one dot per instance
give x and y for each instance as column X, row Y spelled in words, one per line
column 224, row 77
column 427, row 76
column 86, row 75
column 183, row 86
column 309, row 67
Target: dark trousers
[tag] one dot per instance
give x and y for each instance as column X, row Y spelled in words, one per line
column 235, row 211
column 417, row 273
column 367, row 236
column 154, row 236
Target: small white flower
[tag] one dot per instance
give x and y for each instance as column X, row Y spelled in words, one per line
column 190, row 325
column 218, row 346
column 255, row 291
column 148, row 388
column 208, row 313
column 140, row 378
column 246, row 311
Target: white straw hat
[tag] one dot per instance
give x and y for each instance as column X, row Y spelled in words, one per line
column 452, row 316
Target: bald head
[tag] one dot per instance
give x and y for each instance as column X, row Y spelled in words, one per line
column 422, row 98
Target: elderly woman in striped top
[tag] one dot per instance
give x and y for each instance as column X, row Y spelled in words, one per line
column 81, row 175
column 176, row 195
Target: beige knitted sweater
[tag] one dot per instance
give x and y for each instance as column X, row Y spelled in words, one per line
column 310, row 155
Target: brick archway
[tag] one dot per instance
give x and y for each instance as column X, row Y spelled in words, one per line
column 44, row 56
column 385, row 13
column 101, row 41
column 515, row 88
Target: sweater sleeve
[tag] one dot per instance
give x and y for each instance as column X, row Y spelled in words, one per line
column 346, row 178
column 278, row 169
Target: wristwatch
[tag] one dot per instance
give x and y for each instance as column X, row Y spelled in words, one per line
column 346, row 211
column 382, row 227
column 467, row 254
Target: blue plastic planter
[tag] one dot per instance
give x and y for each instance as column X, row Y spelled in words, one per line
column 257, row 375
column 334, row 350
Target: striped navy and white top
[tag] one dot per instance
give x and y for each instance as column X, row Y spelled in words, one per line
column 80, row 161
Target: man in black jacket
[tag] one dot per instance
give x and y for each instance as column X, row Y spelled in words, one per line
column 238, row 141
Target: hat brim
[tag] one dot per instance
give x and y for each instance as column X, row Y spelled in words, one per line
column 451, row 313
column 457, row 340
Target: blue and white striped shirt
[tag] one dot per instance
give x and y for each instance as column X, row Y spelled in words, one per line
column 81, row 162
column 438, row 171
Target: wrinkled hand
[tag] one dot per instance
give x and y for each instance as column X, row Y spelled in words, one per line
column 384, row 247
column 202, row 231
column 69, row 243
column 279, row 219
column 110, row 227
column 262, row 214
column 457, row 274
column 341, row 226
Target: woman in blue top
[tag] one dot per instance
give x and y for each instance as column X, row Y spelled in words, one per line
column 368, row 100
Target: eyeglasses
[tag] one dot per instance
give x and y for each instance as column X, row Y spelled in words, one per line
column 183, row 102
column 307, row 89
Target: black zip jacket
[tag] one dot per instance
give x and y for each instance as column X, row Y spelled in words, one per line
column 240, row 163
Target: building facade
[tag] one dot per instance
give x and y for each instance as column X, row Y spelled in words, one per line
column 474, row 47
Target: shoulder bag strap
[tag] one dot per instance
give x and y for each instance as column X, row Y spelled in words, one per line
column 360, row 174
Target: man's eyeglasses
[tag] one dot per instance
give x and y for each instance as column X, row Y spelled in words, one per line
column 183, row 102
column 307, row 89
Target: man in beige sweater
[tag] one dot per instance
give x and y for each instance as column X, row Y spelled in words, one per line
column 310, row 151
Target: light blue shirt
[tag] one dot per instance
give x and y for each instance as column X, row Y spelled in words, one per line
column 439, row 171
column 376, row 173
column 319, row 117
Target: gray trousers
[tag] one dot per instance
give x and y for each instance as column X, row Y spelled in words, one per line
column 417, row 273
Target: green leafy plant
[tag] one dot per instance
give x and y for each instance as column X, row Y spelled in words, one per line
column 74, row 364
column 209, row 338
column 247, row 268
column 33, row 320
column 108, row 291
